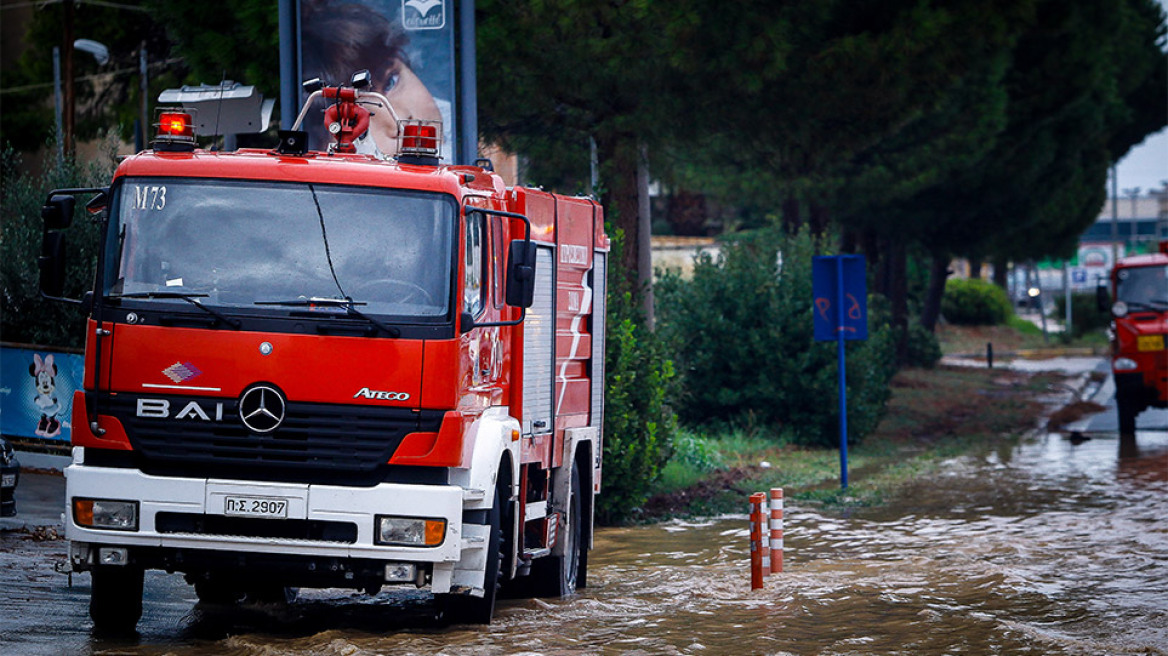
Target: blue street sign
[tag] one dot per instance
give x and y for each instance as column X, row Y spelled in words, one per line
column 825, row 292
column 839, row 292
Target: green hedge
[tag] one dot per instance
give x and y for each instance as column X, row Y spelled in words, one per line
column 742, row 333
column 975, row 302
column 640, row 388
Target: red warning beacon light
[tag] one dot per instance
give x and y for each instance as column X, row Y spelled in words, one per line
column 176, row 131
column 419, row 142
column 419, row 138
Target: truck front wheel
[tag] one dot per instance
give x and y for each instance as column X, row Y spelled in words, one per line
column 463, row 609
column 1127, row 409
column 115, row 601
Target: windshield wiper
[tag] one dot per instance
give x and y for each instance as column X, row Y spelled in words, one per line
column 186, row 296
column 1152, row 305
column 348, row 304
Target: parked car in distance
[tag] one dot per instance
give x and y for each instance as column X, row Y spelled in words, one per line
column 9, row 477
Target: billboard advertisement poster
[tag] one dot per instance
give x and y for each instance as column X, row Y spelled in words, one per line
column 36, row 392
column 407, row 47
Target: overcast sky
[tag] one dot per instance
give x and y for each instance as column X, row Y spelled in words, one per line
column 1146, row 165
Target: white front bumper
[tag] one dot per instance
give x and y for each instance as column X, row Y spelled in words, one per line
column 462, row 549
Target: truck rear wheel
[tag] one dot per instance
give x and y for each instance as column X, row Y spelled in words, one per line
column 557, row 576
column 115, row 601
column 464, row 609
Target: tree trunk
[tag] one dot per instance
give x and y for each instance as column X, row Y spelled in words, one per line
column 791, row 219
column 849, row 241
column 644, row 243
column 619, row 155
column 1001, row 271
column 975, row 266
column 870, row 244
column 618, row 165
column 898, row 286
column 820, row 216
column 938, row 272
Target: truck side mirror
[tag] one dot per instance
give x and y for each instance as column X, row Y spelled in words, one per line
column 52, row 264
column 521, row 273
column 1102, row 298
column 58, row 212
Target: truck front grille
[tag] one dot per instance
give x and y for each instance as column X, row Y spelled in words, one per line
column 312, row 530
column 330, row 440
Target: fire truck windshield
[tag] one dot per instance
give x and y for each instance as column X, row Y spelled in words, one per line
column 1143, row 287
column 263, row 245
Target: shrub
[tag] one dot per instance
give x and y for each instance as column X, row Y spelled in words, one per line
column 640, row 386
column 744, row 342
column 26, row 317
column 1085, row 313
column 924, row 350
column 975, row 302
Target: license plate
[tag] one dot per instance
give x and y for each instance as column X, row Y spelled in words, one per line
column 9, row 480
column 1150, row 343
column 270, row 507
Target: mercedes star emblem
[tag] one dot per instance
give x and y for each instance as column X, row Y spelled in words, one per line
column 261, row 409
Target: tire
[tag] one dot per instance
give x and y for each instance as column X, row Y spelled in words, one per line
column 115, row 601
column 464, row 609
column 1127, row 410
column 216, row 590
column 559, row 576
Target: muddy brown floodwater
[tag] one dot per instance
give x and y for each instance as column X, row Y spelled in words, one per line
column 1052, row 547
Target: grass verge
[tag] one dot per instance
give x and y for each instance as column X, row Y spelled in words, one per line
column 934, row 415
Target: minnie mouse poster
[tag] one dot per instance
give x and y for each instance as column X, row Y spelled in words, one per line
column 44, row 374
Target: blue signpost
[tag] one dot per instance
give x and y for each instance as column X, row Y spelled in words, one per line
column 840, row 293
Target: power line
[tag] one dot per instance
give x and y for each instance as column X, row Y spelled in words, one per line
column 40, row 4
column 94, row 76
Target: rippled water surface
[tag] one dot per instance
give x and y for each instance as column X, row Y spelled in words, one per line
column 1050, row 548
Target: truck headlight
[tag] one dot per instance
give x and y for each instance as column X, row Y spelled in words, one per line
column 106, row 513
column 410, row 531
column 1125, row 364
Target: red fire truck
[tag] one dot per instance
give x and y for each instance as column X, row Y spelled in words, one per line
column 1139, row 354
column 330, row 369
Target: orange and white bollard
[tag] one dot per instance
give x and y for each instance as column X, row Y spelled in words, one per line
column 776, row 526
column 764, row 531
column 757, row 502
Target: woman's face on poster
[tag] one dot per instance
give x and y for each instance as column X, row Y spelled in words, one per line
column 410, row 99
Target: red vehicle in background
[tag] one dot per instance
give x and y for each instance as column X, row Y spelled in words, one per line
column 332, row 369
column 1139, row 352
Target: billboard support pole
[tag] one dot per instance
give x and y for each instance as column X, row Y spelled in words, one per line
column 289, row 82
column 469, row 110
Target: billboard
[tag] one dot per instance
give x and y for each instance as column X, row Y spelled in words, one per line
column 408, row 48
column 36, row 392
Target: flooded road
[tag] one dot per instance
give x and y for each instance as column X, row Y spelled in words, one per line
column 1050, row 548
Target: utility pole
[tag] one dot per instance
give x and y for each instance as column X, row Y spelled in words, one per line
column 67, row 64
column 1134, row 194
column 144, row 91
column 1114, row 215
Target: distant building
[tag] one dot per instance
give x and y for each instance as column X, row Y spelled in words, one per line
column 1140, row 223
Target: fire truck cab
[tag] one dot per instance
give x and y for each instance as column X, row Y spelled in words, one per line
column 1139, row 353
column 330, row 369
